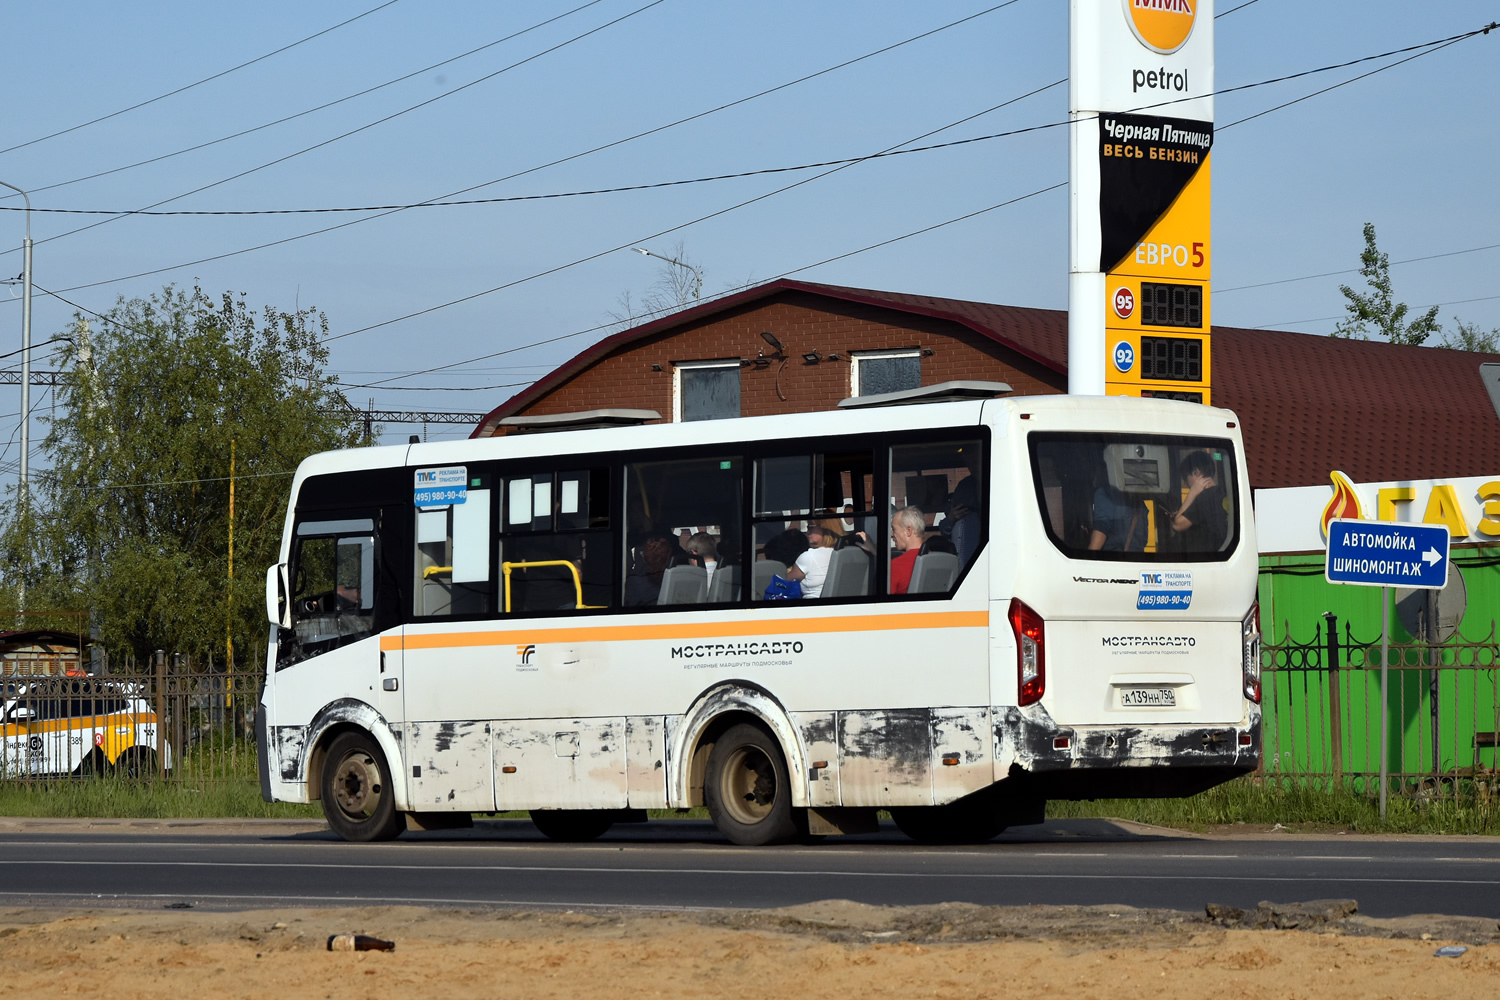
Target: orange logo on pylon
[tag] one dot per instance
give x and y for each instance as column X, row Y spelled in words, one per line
column 1161, row 25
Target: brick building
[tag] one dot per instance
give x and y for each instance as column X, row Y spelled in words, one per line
column 1308, row 404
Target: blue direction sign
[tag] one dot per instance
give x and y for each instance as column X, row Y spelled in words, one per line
column 1387, row 554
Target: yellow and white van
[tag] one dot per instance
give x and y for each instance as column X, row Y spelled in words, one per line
column 78, row 726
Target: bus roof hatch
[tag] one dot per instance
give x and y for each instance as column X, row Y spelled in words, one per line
column 943, row 392
column 582, row 420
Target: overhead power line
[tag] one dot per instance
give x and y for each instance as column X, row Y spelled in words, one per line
column 563, row 159
column 369, row 125
column 578, row 194
column 1324, row 319
column 1429, row 46
column 1354, row 270
column 321, row 107
column 653, row 314
column 190, row 86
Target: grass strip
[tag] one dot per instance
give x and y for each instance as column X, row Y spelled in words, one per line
column 1294, row 805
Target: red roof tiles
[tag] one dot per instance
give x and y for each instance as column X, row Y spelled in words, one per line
column 1307, row 404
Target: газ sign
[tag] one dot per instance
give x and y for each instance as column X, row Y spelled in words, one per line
column 1296, row 519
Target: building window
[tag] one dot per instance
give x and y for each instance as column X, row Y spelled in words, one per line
column 874, row 372
column 706, row 390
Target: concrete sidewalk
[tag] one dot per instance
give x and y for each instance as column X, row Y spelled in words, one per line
column 196, row 827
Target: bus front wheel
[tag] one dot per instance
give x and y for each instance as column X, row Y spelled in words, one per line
column 747, row 790
column 357, row 790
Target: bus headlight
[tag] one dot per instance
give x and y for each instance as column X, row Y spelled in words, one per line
column 1250, row 640
column 1031, row 652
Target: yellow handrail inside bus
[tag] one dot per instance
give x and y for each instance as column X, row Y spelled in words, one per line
column 435, row 570
column 506, row 567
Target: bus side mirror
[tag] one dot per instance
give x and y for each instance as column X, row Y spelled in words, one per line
column 277, row 609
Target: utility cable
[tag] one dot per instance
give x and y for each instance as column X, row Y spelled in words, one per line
column 369, row 125
column 190, row 86
column 309, row 111
column 652, row 314
column 1441, row 43
column 564, row 159
column 443, row 200
column 1324, row 319
column 657, row 235
column 1226, row 13
column 637, row 242
column 1352, row 270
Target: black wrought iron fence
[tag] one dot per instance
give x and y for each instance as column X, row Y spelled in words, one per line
column 1322, row 706
column 169, row 719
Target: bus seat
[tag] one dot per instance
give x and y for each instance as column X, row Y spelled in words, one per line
column 938, row 543
column 684, row 585
column 724, row 587
column 437, row 597
column 933, row 573
column 760, row 576
column 848, row 573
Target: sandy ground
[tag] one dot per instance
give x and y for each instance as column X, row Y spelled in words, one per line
column 824, row 949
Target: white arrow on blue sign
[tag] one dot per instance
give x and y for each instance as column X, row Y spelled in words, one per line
column 1387, row 554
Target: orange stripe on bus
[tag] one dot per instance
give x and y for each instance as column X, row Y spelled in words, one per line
column 704, row 630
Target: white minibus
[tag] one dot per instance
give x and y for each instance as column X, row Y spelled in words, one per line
column 1003, row 600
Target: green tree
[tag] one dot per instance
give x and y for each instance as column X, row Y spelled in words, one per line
column 1471, row 338
column 1377, row 311
column 132, row 521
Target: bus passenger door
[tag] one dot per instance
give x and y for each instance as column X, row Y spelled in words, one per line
column 390, row 699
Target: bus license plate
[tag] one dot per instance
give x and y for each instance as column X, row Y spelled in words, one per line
column 1148, row 698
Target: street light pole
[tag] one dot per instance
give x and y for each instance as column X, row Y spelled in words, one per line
column 25, row 345
column 697, row 274
column 24, row 497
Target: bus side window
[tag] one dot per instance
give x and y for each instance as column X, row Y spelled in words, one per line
column 830, row 491
column 938, row 519
column 684, row 544
column 453, row 556
column 556, row 542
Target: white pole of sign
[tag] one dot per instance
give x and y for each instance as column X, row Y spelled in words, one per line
column 1086, row 339
column 1146, row 61
column 1385, row 680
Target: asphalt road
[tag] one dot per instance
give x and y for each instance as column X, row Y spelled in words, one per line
column 685, row 864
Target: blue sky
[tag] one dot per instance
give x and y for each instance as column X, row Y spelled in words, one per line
column 1413, row 150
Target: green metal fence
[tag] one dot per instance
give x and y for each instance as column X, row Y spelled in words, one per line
column 1321, row 697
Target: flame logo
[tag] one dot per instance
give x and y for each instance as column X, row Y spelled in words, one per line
column 1344, row 503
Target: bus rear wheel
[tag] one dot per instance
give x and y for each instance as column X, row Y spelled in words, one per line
column 572, row 825
column 747, row 790
column 357, row 791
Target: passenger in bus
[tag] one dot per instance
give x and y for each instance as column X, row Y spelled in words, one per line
column 961, row 515
column 703, row 551
column 785, row 547
column 1201, row 523
column 811, row 567
column 908, row 528
column 643, row 585
column 1119, row 523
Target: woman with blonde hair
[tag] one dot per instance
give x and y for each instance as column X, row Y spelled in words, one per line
column 811, row 566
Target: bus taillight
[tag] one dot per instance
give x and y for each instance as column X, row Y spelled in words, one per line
column 1031, row 652
column 1250, row 640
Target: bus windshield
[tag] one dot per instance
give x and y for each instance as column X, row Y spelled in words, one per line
column 1137, row 498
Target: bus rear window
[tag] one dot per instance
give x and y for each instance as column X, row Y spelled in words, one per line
column 1137, row 498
